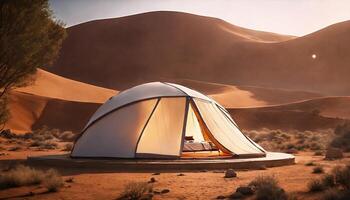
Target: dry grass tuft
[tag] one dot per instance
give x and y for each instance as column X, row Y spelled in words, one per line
column 135, row 190
column 23, row 176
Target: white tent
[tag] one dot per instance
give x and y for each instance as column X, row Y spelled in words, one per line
column 152, row 120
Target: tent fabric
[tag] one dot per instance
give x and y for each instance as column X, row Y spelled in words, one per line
column 193, row 127
column 101, row 140
column 161, row 135
column 140, row 92
column 223, row 130
column 152, row 120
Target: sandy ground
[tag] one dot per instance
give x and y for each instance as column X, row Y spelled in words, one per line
column 194, row 185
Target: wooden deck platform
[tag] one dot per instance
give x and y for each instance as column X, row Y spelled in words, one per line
column 126, row 165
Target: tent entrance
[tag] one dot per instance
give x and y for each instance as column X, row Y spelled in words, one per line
column 198, row 141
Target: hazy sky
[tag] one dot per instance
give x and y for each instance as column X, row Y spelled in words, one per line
column 294, row 17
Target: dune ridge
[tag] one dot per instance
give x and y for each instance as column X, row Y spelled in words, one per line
column 145, row 47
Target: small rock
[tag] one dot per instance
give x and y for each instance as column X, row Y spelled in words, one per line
column 262, row 167
column 334, row 153
column 245, row 190
column 236, row 195
column 157, row 173
column 147, row 197
column 164, row 191
column 181, row 175
column 221, row 197
column 152, row 180
column 31, row 193
column 156, row 192
column 70, row 180
column 230, row 173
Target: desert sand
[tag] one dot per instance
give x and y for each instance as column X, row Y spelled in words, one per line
column 89, row 184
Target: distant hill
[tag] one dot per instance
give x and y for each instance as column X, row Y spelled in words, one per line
column 121, row 52
column 315, row 114
column 246, row 96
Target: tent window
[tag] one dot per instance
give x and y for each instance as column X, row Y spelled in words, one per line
column 163, row 133
column 223, row 130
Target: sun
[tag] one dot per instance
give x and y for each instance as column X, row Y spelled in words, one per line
column 314, row 56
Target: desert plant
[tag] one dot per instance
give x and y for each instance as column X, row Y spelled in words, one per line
column 318, row 170
column 342, row 139
column 318, row 153
column 310, row 163
column 67, row 136
column 267, row 188
column 52, row 181
column 316, row 185
column 342, row 176
column 15, row 148
column 20, row 176
column 30, row 37
column 135, row 190
column 68, row 147
column 328, row 180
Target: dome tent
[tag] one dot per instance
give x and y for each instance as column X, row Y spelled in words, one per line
column 151, row 121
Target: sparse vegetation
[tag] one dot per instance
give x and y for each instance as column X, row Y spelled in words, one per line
column 23, row 176
column 318, row 170
column 267, row 188
column 316, row 185
column 292, row 141
column 310, row 164
column 53, row 182
column 43, row 139
column 342, row 139
column 68, row 147
column 135, row 191
column 342, row 176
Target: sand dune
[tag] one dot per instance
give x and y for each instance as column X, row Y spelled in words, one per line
column 56, row 102
column 315, row 114
column 246, row 96
column 30, row 112
column 145, row 47
column 50, row 85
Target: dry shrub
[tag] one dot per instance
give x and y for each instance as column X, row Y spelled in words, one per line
column 316, row 185
column 23, row 176
column 53, row 181
column 318, row 170
column 335, row 194
column 292, row 140
column 342, row 176
column 310, row 164
column 67, row 136
column 135, row 190
column 68, row 147
column 267, row 188
column 328, row 180
column 15, row 148
column 20, row 176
